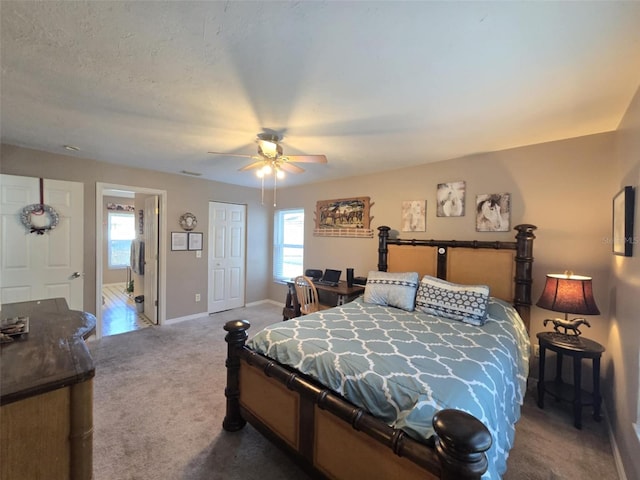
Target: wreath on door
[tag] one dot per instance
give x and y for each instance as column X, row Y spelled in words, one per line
column 39, row 209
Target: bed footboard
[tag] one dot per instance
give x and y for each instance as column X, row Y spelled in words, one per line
column 311, row 423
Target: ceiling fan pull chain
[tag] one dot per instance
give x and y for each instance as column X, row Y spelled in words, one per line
column 275, row 187
column 262, row 201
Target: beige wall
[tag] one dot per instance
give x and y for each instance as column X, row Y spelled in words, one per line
column 186, row 274
column 623, row 402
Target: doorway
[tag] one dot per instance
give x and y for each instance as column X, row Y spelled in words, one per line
column 151, row 233
column 119, row 311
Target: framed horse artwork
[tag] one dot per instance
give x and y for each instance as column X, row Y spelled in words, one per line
column 493, row 212
column 345, row 217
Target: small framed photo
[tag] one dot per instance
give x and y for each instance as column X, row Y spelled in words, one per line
column 178, row 240
column 195, row 240
column 623, row 213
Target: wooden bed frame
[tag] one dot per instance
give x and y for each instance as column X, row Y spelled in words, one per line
column 332, row 438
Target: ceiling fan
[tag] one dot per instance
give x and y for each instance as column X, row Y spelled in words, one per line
column 270, row 158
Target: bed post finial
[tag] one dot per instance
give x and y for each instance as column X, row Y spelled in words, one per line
column 461, row 440
column 524, row 271
column 235, row 339
column 383, row 236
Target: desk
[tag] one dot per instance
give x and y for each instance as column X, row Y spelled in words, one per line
column 343, row 294
column 584, row 348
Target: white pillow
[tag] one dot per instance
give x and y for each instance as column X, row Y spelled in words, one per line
column 466, row 303
column 393, row 289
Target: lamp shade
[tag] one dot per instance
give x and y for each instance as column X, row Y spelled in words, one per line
column 568, row 294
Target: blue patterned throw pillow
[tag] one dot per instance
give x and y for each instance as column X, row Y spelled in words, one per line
column 393, row 289
column 466, row 303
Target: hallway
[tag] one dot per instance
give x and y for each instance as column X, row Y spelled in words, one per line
column 119, row 314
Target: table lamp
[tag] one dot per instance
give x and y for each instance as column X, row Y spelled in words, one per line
column 568, row 293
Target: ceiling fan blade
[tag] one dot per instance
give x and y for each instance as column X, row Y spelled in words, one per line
column 256, row 164
column 231, row 154
column 291, row 168
column 307, row 158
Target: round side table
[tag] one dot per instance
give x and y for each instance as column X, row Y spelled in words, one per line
column 577, row 347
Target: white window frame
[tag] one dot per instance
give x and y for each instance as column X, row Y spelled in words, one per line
column 280, row 273
column 109, row 216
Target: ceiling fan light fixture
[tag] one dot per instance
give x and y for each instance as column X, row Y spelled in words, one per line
column 270, row 160
column 269, row 149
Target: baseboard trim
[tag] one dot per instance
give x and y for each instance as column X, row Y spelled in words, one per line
column 267, row 300
column 617, row 459
column 171, row 321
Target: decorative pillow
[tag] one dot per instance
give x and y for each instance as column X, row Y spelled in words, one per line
column 466, row 303
column 393, row 289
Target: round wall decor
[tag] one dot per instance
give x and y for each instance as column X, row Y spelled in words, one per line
column 188, row 221
column 39, row 209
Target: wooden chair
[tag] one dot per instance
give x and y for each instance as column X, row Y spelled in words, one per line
column 307, row 295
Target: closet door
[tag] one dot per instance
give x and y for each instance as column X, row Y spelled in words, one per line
column 227, row 231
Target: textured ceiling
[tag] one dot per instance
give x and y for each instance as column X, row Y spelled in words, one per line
column 372, row 85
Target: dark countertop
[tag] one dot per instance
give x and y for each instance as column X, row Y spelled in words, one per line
column 52, row 355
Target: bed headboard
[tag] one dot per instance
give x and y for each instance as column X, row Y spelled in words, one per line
column 505, row 266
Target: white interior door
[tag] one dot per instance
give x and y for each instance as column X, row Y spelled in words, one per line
column 151, row 215
column 227, row 230
column 41, row 266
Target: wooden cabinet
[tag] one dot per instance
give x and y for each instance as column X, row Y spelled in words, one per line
column 46, row 412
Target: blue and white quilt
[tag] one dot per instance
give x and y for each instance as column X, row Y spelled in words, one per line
column 403, row 367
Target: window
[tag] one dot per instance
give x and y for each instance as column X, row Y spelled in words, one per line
column 288, row 244
column 122, row 229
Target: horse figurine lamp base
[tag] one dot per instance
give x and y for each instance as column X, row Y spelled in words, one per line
column 568, row 325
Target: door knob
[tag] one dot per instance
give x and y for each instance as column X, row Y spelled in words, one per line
column 76, row 275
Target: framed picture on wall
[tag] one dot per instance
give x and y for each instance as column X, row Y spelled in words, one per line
column 343, row 217
column 623, row 213
column 451, row 197
column 141, row 222
column 493, row 212
column 195, row 240
column 414, row 216
column 178, row 240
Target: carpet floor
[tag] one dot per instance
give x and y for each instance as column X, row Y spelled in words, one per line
column 159, row 404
